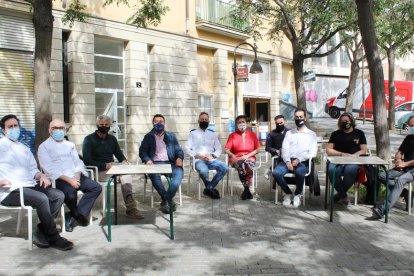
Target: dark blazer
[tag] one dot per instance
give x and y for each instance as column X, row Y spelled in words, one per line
column 148, row 147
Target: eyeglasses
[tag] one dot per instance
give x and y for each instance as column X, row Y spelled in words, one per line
column 60, row 128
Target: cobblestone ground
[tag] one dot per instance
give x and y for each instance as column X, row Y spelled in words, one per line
column 224, row 237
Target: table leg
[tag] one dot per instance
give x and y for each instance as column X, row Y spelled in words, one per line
column 386, row 193
column 170, row 200
column 108, row 207
column 326, row 185
column 376, row 184
column 332, row 193
column 115, row 201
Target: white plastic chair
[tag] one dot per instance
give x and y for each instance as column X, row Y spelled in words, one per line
column 193, row 169
column 293, row 175
column 29, row 210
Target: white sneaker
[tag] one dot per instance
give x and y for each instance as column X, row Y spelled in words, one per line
column 287, row 199
column 296, row 201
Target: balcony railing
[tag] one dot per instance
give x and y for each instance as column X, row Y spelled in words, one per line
column 221, row 13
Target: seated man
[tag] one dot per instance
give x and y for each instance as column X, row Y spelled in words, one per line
column 298, row 147
column 204, row 145
column 59, row 159
column 400, row 174
column 161, row 147
column 18, row 168
column 98, row 150
column 274, row 142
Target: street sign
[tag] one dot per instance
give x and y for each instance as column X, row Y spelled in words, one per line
column 242, row 74
column 309, row 76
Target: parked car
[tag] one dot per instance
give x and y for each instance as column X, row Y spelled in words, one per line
column 402, row 122
column 403, row 109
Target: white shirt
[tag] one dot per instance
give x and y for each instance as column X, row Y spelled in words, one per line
column 17, row 165
column 201, row 142
column 60, row 158
column 300, row 145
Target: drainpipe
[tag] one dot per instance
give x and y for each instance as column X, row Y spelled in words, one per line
column 187, row 16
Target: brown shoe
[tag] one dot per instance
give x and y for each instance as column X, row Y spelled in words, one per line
column 134, row 213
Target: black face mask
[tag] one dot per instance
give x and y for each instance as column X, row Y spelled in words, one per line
column 280, row 128
column 299, row 122
column 103, row 129
column 346, row 125
column 203, row 125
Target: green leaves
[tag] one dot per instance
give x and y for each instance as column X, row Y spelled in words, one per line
column 75, row 13
column 149, row 12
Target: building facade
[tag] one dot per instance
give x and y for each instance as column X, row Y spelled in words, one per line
column 178, row 69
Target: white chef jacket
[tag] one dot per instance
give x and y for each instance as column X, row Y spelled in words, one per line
column 300, row 145
column 60, row 158
column 17, row 164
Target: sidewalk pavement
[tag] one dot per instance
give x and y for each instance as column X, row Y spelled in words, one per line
column 224, row 237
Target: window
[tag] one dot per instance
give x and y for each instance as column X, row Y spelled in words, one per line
column 258, row 84
column 344, row 57
column 205, row 104
column 332, row 60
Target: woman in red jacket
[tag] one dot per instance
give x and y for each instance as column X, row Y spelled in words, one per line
column 241, row 147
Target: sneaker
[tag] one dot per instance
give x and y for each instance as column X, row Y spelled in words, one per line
column 287, row 200
column 39, row 240
column 377, row 213
column 164, row 207
column 296, row 201
column 134, row 213
column 62, row 244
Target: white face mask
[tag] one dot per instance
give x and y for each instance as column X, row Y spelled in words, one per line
column 242, row 127
column 411, row 130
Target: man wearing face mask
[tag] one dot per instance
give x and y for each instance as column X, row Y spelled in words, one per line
column 346, row 141
column 204, row 145
column 274, row 141
column 298, row 147
column 161, row 147
column 18, row 168
column 400, row 174
column 99, row 149
column 59, row 159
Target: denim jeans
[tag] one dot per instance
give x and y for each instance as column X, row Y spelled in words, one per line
column 345, row 177
column 47, row 203
column 177, row 176
column 90, row 190
column 397, row 180
column 299, row 171
column 203, row 166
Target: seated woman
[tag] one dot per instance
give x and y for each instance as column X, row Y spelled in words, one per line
column 346, row 141
column 241, row 147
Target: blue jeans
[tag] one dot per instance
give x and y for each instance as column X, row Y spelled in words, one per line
column 300, row 172
column 47, row 203
column 203, row 166
column 177, row 176
column 90, row 190
column 345, row 177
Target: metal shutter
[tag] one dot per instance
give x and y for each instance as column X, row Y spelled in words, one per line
column 16, row 33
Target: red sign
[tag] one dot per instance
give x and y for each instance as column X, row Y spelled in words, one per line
column 242, row 74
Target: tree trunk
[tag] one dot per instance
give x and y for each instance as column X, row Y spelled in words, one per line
column 351, row 85
column 43, row 25
column 369, row 40
column 298, row 76
column 391, row 87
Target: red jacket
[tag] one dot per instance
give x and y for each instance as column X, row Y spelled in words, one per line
column 239, row 147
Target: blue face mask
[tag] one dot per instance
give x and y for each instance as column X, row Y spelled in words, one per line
column 411, row 130
column 58, row 134
column 13, row 133
column 159, row 127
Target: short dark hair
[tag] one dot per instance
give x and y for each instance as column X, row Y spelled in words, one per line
column 203, row 113
column 300, row 109
column 241, row 117
column 157, row 115
column 277, row 117
column 6, row 118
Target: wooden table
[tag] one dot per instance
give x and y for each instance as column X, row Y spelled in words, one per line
column 351, row 160
column 135, row 169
